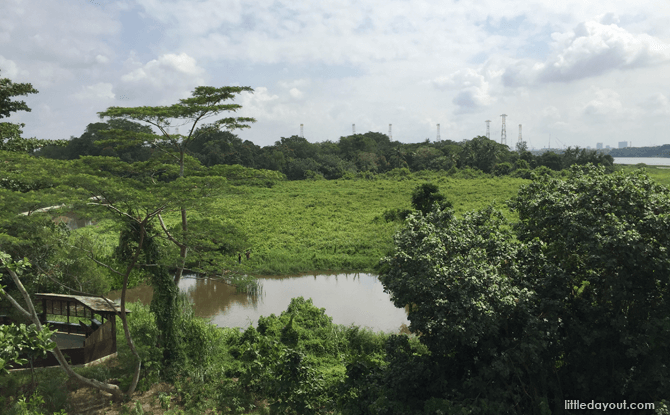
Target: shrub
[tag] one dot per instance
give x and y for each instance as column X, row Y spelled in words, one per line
column 571, row 303
column 503, row 169
column 425, row 196
column 522, row 174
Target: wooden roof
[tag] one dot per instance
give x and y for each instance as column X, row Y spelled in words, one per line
column 96, row 304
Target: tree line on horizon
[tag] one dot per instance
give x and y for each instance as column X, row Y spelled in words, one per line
column 299, row 159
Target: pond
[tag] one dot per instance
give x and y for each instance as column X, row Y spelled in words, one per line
column 357, row 299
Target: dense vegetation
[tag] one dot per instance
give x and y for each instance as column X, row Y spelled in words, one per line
column 658, row 151
column 300, row 159
column 537, row 313
column 565, row 296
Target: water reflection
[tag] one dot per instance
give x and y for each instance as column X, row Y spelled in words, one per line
column 348, row 298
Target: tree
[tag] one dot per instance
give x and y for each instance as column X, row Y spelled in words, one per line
column 203, row 104
column 88, row 144
column 550, row 160
column 480, row 152
column 73, row 185
column 10, row 133
column 571, row 303
column 426, row 195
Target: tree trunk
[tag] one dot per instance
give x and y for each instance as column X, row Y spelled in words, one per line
column 183, row 250
column 126, row 330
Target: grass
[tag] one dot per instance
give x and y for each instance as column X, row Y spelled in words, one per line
column 300, row 226
column 337, row 225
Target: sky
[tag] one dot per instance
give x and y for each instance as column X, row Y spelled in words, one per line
column 572, row 73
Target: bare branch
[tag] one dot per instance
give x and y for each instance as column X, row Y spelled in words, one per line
column 95, row 260
column 160, row 147
column 112, row 207
column 179, row 244
column 15, row 304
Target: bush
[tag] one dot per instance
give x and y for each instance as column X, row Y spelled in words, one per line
column 518, row 319
column 542, row 171
column 467, row 173
column 503, row 169
column 142, row 326
column 522, row 174
column 425, row 196
column 397, row 214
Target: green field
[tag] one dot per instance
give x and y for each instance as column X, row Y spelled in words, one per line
column 337, row 225
column 299, row 226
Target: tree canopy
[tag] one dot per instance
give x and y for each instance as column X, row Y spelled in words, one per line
column 570, row 303
column 10, row 133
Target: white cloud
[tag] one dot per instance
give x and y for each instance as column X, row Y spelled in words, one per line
column 472, row 87
column 295, row 93
column 656, row 104
column 164, row 80
column 165, row 70
column 606, row 102
column 263, row 105
column 332, row 63
column 294, row 83
column 551, row 113
column 101, row 90
column 11, row 70
column 101, row 59
column 593, row 48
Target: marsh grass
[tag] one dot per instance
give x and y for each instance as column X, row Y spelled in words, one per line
column 336, row 225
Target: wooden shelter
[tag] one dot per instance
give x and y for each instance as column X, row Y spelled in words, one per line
column 81, row 342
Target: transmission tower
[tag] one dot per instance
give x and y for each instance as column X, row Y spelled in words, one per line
column 488, row 129
column 520, row 140
column 503, row 133
column 390, row 136
column 302, row 134
column 438, row 132
column 353, row 128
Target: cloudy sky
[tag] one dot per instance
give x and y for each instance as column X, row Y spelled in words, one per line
column 569, row 71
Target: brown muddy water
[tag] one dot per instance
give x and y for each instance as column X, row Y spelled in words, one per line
column 357, row 299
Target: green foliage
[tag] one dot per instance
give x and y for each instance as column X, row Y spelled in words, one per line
column 522, row 173
column 569, row 304
column 320, row 225
column 396, row 214
column 504, row 169
column 144, row 332
column 21, row 344
column 656, row 151
column 290, row 358
column 426, row 195
column 610, row 287
column 660, row 174
column 32, row 406
column 10, row 133
column 481, row 153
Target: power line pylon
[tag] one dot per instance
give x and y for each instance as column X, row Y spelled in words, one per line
column 488, row 129
column 503, row 132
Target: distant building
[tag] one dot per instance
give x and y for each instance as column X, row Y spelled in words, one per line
column 607, row 147
column 623, row 144
column 599, row 146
